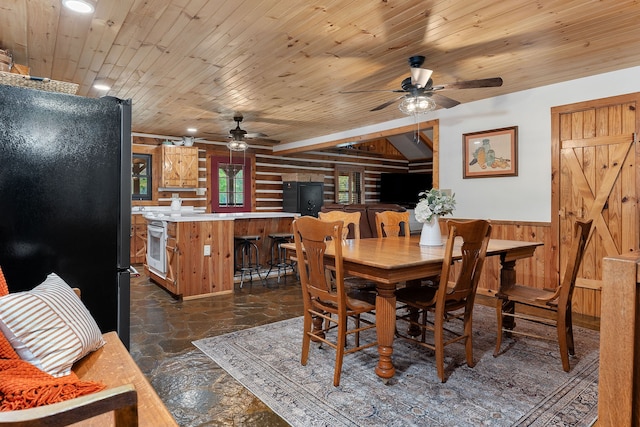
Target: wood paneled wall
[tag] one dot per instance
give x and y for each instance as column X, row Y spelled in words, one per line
column 530, row 272
column 537, row 272
column 270, row 167
column 151, row 145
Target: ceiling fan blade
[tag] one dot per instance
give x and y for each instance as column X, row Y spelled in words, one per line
column 372, row 90
column 256, row 135
column 386, row 104
column 444, row 101
column 471, row 84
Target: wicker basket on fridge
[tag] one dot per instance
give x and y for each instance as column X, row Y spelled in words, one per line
column 13, row 79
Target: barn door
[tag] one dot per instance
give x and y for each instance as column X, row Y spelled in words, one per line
column 596, row 148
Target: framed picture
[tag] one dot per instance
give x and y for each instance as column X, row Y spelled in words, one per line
column 490, row 153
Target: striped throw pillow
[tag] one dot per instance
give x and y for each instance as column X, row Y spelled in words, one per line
column 49, row 326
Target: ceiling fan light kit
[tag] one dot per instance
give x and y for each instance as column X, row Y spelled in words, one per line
column 412, row 105
column 237, row 145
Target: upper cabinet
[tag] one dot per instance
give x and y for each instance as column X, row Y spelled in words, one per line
column 179, row 167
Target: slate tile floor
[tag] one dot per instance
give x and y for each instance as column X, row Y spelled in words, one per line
column 195, row 389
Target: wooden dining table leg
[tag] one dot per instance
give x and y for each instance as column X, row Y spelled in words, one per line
column 413, row 330
column 385, row 329
column 508, row 280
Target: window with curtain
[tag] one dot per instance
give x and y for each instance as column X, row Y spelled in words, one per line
column 349, row 185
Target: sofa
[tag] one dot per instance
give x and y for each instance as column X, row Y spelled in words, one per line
column 367, row 215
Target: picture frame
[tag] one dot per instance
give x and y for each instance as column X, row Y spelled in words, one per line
column 490, row 153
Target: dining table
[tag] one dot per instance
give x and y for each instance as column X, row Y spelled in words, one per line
column 392, row 260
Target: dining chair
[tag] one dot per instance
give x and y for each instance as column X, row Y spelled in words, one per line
column 451, row 299
column 541, row 301
column 350, row 221
column 326, row 303
column 391, row 224
column 356, row 287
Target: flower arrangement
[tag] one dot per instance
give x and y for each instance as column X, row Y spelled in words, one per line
column 434, row 202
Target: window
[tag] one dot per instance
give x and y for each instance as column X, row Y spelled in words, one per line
column 231, row 184
column 141, row 188
column 349, row 185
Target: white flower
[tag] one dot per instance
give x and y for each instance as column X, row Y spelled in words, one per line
column 434, row 202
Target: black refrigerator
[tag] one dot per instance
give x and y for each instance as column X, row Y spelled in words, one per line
column 65, row 197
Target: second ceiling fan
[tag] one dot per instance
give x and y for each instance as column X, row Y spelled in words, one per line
column 240, row 134
column 421, row 95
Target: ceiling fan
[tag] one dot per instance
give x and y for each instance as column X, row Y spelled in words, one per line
column 240, row 134
column 421, row 95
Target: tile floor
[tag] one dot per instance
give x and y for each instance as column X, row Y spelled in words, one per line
column 195, row 389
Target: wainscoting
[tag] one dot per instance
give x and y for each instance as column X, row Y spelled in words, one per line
column 538, row 271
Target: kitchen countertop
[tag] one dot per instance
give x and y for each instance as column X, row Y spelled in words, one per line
column 218, row 216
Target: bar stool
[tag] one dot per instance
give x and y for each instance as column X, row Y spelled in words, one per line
column 279, row 254
column 247, row 256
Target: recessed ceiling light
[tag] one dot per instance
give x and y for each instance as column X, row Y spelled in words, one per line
column 101, row 86
column 191, row 130
column 80, row 6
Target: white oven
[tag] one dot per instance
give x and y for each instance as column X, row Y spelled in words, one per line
column 156, row 247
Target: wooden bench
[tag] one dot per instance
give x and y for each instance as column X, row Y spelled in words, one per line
column 128, row 400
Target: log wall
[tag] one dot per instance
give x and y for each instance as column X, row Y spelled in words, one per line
column 536, row 272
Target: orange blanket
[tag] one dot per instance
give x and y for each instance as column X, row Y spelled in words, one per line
column 23, row 386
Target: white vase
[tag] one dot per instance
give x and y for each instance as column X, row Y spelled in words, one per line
column 430, row 234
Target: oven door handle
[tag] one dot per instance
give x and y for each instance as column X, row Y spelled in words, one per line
column 155, row 232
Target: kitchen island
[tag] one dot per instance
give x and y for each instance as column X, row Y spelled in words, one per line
column 192, row 255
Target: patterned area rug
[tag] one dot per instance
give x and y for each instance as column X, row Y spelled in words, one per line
column 525, row 385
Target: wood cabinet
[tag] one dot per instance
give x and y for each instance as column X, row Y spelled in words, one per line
column 138, row 244
column 199, row 259
column 179, row 167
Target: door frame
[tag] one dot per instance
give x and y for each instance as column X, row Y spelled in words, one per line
column 552, row 263
column 249, row 160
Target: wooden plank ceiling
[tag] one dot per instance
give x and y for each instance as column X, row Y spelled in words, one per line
column 282, row 64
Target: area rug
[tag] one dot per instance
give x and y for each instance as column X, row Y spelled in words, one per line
column 525, row 385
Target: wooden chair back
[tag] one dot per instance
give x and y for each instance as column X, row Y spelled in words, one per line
column 350, row 221
column 312, row 236
column 576, row 251
column 475, row 239
column 390, row 224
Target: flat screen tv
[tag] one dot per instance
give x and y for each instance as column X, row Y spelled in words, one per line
column 403, row 188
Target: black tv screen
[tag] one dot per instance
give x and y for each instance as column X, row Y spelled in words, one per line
column 403, row 188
